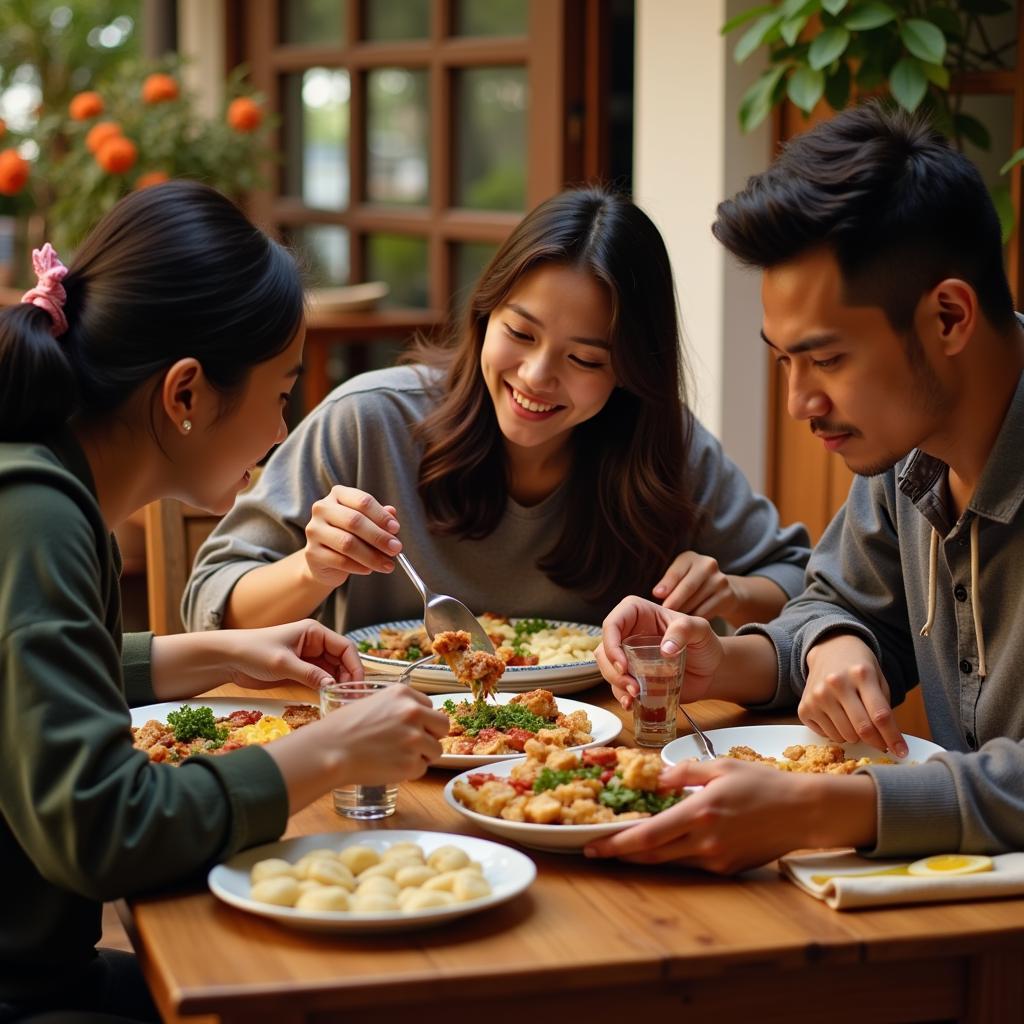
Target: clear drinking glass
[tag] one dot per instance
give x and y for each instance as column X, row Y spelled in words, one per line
column 661, row 678
column 360, row 802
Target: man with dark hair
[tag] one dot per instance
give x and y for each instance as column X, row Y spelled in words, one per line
column 886, row 303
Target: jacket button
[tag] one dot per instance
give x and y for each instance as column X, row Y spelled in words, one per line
column 965, row 667
column 971, row 741
column 960, row 592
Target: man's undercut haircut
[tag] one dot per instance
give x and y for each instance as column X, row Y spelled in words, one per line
column 886, row 193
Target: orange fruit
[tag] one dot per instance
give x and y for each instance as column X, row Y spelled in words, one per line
column 99, row 133
column 117, row 154
column 159, row 88
column 151, row 178
column 85, row 105
column 244, row 114
column 13, row 172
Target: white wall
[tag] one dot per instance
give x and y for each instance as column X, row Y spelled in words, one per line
column 689, row 154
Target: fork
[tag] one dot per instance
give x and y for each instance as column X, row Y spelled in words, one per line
column 407, row 671
column 442, row 613
column 709, row 748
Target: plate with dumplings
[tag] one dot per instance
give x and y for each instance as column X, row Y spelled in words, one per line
column 379, row 881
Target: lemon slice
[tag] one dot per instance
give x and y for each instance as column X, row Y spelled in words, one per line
column 946, row 864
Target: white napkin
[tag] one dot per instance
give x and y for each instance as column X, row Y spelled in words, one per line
column 848, row 891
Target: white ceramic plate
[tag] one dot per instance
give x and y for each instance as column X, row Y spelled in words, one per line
column 508, row 871
column 772, row 740
column 220, row 706
column 567, row 677
column 552, row 838
column 605, row 726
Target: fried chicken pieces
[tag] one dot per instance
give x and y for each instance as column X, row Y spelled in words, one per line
column 479, row 670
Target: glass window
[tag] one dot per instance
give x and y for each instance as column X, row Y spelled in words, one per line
column 398, row 143
column 401, row 261
column 323, row 254
column 316, row 128
column 490, row 18
column 397, row 19
column 490, row 169
column 313, row 21
column 468, row 262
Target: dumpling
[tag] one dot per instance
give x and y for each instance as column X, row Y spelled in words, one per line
column 373, row 902
column 358, row 858
column 323, row 897
column 271, row 868
column 330, row 872
column 413, row 875
column 426, row 899
column 468, row 885
column 281, row 890
column 385, row 869
column 442, row 882
column 378, row 884
column 412, row 850
column 448, row 858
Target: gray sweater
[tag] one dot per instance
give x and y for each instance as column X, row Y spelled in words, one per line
column 360, row 435
column 870, row 576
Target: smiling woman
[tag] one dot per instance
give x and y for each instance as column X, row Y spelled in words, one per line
column 542, row 459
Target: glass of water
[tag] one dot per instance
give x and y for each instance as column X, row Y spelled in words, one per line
column 661, row 678
column 363, row 803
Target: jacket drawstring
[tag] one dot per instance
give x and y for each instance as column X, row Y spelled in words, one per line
column 933, row 558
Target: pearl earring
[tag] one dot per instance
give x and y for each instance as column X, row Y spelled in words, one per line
column 186, row 425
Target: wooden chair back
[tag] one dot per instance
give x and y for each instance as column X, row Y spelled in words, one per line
column 174, row 533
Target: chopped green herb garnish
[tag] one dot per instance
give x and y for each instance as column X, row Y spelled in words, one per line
column 191, row 723
column 364, row 646
column 494, row 716
column 549, row 778
column 524, row 627
column 622, row 798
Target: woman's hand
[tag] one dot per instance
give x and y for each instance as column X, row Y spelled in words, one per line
column 746, row 815
column 635, row 615
column 350, row 532
column 694, row 584
column 389, row 737
column 846, row 697
column 305, row 652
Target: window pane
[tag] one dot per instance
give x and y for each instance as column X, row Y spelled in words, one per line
column 322, row 251
column 490, row 17
column 469, row 260
column 490, row 170
column 315, row 126
column 397, row 19
column 313, row 21
column 397, row 160
column 401, row 261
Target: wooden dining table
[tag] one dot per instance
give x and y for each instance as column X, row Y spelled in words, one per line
column 590, row 940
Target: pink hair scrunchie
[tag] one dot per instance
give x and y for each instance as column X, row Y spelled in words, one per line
column 49, row 293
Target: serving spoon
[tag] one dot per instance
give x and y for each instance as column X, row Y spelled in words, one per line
column 441, row 612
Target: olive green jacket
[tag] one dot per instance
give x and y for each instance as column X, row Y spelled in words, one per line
column 84, row 817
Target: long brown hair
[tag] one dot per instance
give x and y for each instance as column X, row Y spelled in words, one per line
column 627, row 509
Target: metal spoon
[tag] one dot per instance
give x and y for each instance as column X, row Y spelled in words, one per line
column 441, row 612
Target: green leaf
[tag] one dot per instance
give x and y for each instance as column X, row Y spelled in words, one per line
column 754, row 36
column 869, row 15
column 790, row 8
column 827, row 47
column 937, row 74
column 790, row 30
column 805, row 87
column 908, row 83
column 757, row 100
column 1017, row 158
column 924, row 40
column 973, row 130
column 946, row 19
column 833, row 6
column 1004, row 209
column 837, row 88
column 744, row 17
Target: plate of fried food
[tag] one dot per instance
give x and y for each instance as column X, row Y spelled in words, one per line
column 373, row 881
column 486, row 731
column 794, row 748
column 537, row 652
column 175, row 730
column 559, row 800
